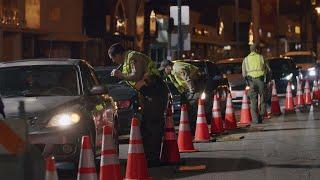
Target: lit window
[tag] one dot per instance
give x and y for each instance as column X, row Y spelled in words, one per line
column 153, row 23
column 297, row 29
column 221, row 27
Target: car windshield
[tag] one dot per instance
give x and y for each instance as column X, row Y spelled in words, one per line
column 206, row 68
column 303, row 59
column 281, row 66
column 39, row 81
column 230, row 68
column 105, row 77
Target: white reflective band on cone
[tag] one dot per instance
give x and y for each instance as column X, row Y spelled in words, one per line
column 109, row 159
column 108, row 142
column 135, row 148
column 184, row 127
column 87, row 160
column 201, row 120
column 216, row 114
column 135, row 133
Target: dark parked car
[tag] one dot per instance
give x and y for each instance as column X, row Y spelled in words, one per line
column 126, row 97
column 306, row 63
column 283, row 70
column 61, row 100
column 211, row 80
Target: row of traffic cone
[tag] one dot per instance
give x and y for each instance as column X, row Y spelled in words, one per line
column 302, row 99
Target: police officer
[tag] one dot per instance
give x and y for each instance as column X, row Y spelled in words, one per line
column 255, row 70
column 141, row 73
column 183, row 76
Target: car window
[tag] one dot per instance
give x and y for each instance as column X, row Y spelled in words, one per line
column 105, row 77
column 213, row 69
column 230, row 68
column 88, row 78
column 51, row 80
column 281, row 66
column 303, row 59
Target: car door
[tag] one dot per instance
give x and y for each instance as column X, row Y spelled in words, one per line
column 101, row 107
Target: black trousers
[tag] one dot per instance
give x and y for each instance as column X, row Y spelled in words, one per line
column 152, row 124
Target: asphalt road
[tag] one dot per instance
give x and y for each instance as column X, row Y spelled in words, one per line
column 284, row 147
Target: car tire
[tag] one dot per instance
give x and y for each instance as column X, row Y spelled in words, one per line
column 91, row 132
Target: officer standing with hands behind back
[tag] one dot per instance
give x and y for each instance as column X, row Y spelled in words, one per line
column 140, row 72
column 255, row 70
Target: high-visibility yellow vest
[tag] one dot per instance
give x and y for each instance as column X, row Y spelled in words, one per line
column 174, row 81
column 180, row 82
column 255, row 65
column 151, row 66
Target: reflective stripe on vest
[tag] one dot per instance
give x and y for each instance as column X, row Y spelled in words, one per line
column 127, row 69
column 254, row 65
column 191, row 69
column 180, row 88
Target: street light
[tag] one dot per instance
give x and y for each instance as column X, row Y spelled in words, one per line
column 318, row 10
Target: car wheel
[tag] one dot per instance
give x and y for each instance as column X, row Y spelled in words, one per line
column 90, row 131
column 116, row 134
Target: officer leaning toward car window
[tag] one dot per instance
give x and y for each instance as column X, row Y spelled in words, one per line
column 255, row 71
column 183, row 76
column 141, row 73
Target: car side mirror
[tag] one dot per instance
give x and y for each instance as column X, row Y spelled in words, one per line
column 98, row 90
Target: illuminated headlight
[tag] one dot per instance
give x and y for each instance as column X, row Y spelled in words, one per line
column 247, row 88
column 288, row 77
column 293, row 87
column 64, row 119
column 203, row 96
column 312, row 71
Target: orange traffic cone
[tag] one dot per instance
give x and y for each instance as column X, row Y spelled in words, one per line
column 109, row 165
column 307, row 92
column 87, row 169
column 216, row 122
column 51, row 171
column 184, row 137
column 202, row 130
column 245, row 110
column 275, row 105
column 169, row 149
column 137, row 163
column 289, row 105
column 230, row 119
column 299, row 98
column 316, row 92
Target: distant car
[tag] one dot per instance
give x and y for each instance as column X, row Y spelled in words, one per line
column 283, row 71
column 61, row 100
column 211, row 80
column 306, row 62
column 126, row 97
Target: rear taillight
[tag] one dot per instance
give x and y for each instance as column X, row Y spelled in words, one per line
column 124, row 104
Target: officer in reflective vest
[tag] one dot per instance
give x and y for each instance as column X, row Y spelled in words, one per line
column 183, row 76
column 255, row 70
column 140, row 72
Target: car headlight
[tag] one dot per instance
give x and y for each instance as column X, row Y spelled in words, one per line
column 247, row 88
column 64, row 119
column 312, row 71
column 288, row 77
column 293, row 87
column 203, row 96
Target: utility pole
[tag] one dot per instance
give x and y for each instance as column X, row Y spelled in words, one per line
column 277, row 28
column 180, row 40
column 237, row 22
